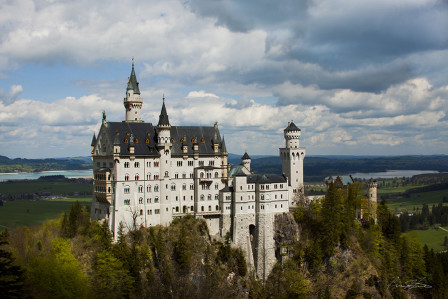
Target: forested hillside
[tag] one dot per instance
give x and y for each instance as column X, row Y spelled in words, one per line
column 317, row 168
column 334, row 256
column 37, row 165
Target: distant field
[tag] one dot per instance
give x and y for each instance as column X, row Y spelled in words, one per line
column 433, row 237
column 36, row 186
column 30, row 213
column 416, row 200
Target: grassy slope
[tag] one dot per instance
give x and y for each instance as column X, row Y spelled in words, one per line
column 30, row 213
column 416, row 200
column 432, row 237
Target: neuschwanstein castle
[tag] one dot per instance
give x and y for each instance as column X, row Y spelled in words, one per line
column 147, row 175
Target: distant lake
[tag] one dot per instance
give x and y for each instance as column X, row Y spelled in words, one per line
column 36, row 175
column 391, row 174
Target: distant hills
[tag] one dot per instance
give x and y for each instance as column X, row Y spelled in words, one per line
column 8, row 165
column 316, row 168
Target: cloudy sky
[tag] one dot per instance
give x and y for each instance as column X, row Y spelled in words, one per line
column 358, row 77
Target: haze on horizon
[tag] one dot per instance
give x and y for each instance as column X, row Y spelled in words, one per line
column 359, row 78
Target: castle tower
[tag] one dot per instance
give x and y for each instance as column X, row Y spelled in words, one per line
column 133, row 101
column 245, row 161
column 372, row 196
column 164, row 146
column 292, row 160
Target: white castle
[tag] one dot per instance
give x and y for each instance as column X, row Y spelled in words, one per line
column 146, row 175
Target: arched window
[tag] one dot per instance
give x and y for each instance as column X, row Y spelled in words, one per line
column 156, row 188
column 216, row 174
column 216, row 196
column 209, row 197
column 202, row 196
column 136, row 177
column 202, row 175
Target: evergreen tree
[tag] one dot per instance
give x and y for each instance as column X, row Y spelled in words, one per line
column 11, row 276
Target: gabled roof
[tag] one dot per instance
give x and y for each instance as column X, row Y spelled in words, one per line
column 291, row 127
column 132, row 83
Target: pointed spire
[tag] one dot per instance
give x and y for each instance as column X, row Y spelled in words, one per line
column 132, row 83
column 245, row 156
column 163, row 117
column 223, row 145
column 93, row 140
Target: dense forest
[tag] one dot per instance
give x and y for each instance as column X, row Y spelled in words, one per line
column 334, row 256
column 37, row 165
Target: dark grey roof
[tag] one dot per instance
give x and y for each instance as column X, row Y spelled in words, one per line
column 291, row 127
column 245, row 156
column 180, row 135
column 93, row 140
column 140, row 133
column 203, row 137
column 223, row 146
column 132, row 83
column 163, row 117
column 265, row 178
column 227, row 189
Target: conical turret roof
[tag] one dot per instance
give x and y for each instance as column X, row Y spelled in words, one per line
column 163, row 117
column 93, row 140
column 245, row 156
column 132, row 83
column 223, row 146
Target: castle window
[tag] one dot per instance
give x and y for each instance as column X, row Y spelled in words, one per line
column 140, row 189
column 209, row 197
column 127, row 201
column 156, row 200
column 137, row 164
column 209, row 208
column 148, row 200
column 126, row 140
column 147, row 140
column 201, row 163
column 217, row 208
column 184, row 175
column 128, row 133
column 202, row 140
column 191, row 208
column 177, row 209
column 173, row 187
column 156, row 176
column 156, row 164
column 126, row 177
column 202, row 209
column 202, row 175
column 149, row 212
column 136, row 177
column 190, row 163
column 211, row 163
column 281, row 185
column 156, row 188
column 184, row 187
column 156, row 211
column 148, row 176
column 191, row 187
column 179, row 163
column 216, row 196
column 216, row 174
column 166, row 174
column 176, row 176
column 136, row 140
column 202, row 197
column 126, row 164
column 140, row 200
column 262, row 197
column 172, row 140
column 182, row 140
column 216, row 186
column 149, row 134
column 126, row 190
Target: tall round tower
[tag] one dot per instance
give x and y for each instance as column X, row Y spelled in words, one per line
column 373, row 200
column 292, row 160
column 245, row 161
column 133, row 101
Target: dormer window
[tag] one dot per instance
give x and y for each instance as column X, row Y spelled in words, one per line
column 147, row 140
column 172, row 140
column 182, row 140
column 202, row 140
column 126, row 140
column 128, row 133
column 136, row 140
